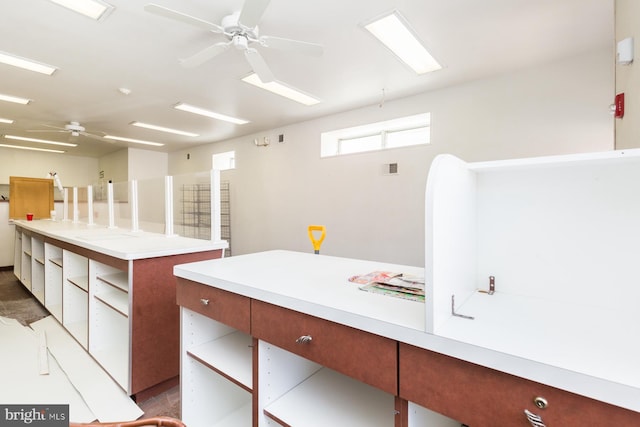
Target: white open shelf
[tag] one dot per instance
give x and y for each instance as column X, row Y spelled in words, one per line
column 112, row 361
column 56, row 261
column 328, row 398
column 56, row 311
column 53, row 280
column 210, row 399
column 109, row 316
column 237, row 418
column 115, row 299
column 79, row 331
column 230, row 355
column 81, row 282
column 119, row 280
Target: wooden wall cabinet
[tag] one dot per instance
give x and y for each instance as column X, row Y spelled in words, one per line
column 30, row 195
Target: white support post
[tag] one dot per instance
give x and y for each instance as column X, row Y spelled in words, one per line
column 216, row 222
column 89, row 205
column 112, row 223
column 65, row 204
column 75, row 204
column 133, row 199
column 168, row 205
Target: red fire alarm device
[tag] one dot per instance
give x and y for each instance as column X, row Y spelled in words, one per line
column 619, row 113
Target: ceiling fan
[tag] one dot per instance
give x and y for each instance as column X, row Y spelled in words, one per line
column 72, row 128
column 241, row 31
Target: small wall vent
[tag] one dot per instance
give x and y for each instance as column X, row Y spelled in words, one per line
column 390, row 169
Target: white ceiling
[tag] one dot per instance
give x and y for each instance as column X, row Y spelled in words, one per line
column 137, row 50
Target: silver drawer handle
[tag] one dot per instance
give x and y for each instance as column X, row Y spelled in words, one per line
column 535, row 420
column 204, row 301
column 305, row 339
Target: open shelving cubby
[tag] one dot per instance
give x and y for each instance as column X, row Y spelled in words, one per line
column 37, row 268
column 109, row 313
column 75, row 309
column 53, row 280
column 295, row 391
column 216, row 374
column 17, row 254
column 25, row 260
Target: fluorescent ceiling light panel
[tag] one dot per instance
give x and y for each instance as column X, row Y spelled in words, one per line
column 42, row 141
column 394, row 31
column 163, row 129
column 15, row 99
column 26, row 64
column 201, row 111
column 20, row 147
column 282, row 90
column 136, row 141
column 9, row 121
column 94, row 9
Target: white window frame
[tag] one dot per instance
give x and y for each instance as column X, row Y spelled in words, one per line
column 224, row 161
column 331, row 142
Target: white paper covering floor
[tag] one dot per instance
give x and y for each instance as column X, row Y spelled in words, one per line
column 74, row 377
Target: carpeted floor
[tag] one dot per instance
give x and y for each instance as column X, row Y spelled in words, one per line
column 16, row 302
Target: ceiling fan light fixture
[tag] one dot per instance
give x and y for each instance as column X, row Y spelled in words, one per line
column 41, row 141
column 135, row 141
column 282, row 89
column 26, row 64
column 94, row 9
column 22, row 147
column 394, row 31
column 7, row 121
column 163, row 129
column 207, row 113
column 14, row 99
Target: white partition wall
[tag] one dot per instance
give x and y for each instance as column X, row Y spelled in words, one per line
column 560, row 236
column 450, row 237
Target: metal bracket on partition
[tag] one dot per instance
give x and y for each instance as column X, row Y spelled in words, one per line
column 492, row 286
column 453, row 309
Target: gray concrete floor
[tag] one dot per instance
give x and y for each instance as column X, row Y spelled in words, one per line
column 16, row 302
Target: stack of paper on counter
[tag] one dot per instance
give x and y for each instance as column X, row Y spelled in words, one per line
column 390, row 283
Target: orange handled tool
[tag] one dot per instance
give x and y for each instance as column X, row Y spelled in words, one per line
column 317, row 242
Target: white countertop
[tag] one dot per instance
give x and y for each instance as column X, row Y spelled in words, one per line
column 313, row 284
column 318, row 285
column 119, row 243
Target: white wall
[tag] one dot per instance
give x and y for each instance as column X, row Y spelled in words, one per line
column 277, row 191
column 115, row 166
column 628, row 76
column 145, row 164
column 72, row 170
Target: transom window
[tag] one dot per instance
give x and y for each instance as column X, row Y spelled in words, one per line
column 396, row 133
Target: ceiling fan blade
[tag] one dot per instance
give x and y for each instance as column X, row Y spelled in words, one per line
column 259, row 65
column 204, row 55
column 307, row 48
column 55, row 127
column 252, row 11
column 91, row 135
column 45, row 130
column 179, row 16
